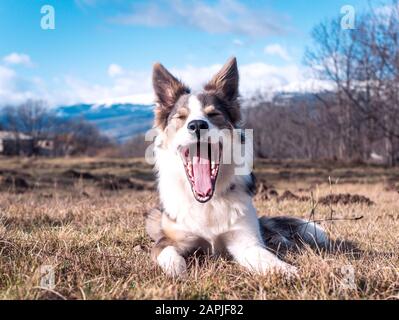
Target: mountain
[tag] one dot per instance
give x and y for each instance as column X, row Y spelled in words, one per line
column 118, row 121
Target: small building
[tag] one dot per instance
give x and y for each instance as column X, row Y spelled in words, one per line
column 20, row 144
column 13, row 143
column 45, row 147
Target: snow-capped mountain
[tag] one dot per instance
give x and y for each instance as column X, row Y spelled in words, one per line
column 118, row 121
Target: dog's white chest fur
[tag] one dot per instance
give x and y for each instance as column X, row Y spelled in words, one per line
column 211, row 219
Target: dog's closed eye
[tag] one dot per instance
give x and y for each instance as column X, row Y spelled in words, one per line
column 211, row 111
column 179, row 116
column 214, row 114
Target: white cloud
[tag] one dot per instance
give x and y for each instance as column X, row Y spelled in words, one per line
column 253, row 76
column 7, row 78
column 387, row 11
column 125, row 87
column 132, row 86
column 6, row 74
column 114, row 70
column 88, row 3
column 223, row 16
column 18, row 59
column 135, row 87
column 238, row 42
column 15, row 89
column 277, row 50
column 149, row 15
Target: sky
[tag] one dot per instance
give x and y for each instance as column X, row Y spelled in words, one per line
column 102, row 51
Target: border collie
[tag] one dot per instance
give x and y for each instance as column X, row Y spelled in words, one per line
column 207, row 201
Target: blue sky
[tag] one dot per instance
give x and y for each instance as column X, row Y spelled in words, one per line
column 102, row 51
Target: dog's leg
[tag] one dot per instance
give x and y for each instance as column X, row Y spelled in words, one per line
column 165, row 251
column 171, row 243
column 169, row 257
column 169, row 253
column 247, row 248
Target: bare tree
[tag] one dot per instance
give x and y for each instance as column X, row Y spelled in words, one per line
column 359, row 116
column 363, row 66
column 70, row 137
column 32, row 118
column 79, row 137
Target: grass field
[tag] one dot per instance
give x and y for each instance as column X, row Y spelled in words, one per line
column 83, row 219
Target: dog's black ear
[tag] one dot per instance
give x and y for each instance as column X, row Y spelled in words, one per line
column 167, row 91
column 225, row 83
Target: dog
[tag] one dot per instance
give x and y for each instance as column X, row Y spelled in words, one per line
column 205, row 204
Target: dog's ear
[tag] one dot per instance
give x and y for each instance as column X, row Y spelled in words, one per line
column 167, row 91
column 225, row 83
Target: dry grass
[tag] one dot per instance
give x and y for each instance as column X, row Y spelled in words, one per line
column 95, row 241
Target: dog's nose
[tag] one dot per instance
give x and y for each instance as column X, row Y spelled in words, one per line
column 195, row 126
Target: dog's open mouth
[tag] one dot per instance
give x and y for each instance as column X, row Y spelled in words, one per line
column 201, row 163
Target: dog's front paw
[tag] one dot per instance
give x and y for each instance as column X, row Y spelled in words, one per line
column 263, row 262
column 172, row 263
column 286, row 269
column 275, row 267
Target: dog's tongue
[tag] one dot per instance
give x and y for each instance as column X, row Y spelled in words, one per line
column 202, row 175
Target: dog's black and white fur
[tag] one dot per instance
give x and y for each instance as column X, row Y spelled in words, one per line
column 220, row 218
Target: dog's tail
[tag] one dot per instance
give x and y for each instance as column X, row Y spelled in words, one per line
column 291, row 233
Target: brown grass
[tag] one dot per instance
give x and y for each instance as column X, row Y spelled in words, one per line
column 94, row 239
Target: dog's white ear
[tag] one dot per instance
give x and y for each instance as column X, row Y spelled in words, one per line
column 225, row 82
column 167, row 91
